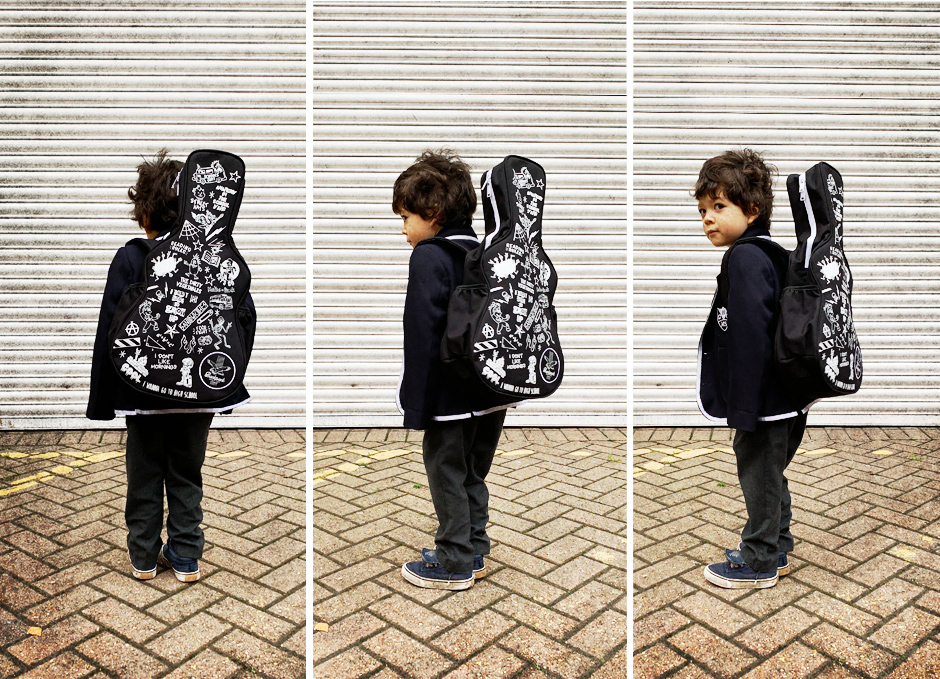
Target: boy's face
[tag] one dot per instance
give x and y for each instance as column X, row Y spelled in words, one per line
column 722, row 220
column 415, row 228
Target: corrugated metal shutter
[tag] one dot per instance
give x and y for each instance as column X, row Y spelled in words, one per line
column 855, row 84
column 545, row 80
column 87, row 92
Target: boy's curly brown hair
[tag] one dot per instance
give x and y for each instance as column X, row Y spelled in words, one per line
column 153, row 195
column 744, row 178
column 437, row 186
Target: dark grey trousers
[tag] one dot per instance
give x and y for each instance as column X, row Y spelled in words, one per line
column 165, row 451
column 457, row 458
column 762, row 457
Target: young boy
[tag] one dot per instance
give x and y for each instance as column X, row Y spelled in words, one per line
column 166, row 441
column 436, row 201
column 737, row 385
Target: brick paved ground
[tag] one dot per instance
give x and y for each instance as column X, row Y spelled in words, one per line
column 862, row 600
column 64, row 568
column 554, row 603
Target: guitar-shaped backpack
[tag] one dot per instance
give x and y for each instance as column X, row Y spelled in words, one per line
column 502, row 329
column 181, row 333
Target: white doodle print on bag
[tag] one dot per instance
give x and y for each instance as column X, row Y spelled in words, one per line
column 188, row 307
column 839, row 350
column 548, row 365
column 228, row 272
column 518, row 314
column 186, row 377
column 217, row 370
column 829, row 269
column 213, row 174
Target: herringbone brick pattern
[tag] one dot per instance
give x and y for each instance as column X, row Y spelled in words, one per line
column 862, row 599
column 64, row 567
column 554, row 603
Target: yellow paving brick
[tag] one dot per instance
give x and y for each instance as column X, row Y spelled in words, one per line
column 515, row 453
column 903, row 552
column 62, row 469
column 689, row 454
column 603, row 555
column 17, row 488
column 101, row 457
column 389, row 454
column 821, row 451
column 32, row 477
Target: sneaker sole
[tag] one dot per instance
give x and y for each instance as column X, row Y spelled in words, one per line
column 453, row 585
column 728, row 583
column 477, row 574
column 139, row 574
column 182, row 577
column 783, row 571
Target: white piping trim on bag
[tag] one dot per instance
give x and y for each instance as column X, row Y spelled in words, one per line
column 479, row 413
column 804, row 195
column 488, row 189
column 176, row 411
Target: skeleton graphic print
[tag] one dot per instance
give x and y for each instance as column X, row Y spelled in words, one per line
column 181, row 340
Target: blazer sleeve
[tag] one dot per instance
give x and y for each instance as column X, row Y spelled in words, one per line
column 104, row 378
column 425, row 319
column 753, row 296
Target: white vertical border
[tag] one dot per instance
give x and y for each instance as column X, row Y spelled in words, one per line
column 628, row 461
column 308, row 318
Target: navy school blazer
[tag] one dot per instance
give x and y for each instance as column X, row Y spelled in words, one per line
column 737, row 384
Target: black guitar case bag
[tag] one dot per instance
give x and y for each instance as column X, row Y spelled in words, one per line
column 180, row 334
column 816, row 348
column 501, row 323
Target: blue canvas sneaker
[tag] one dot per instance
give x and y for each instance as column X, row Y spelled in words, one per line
column 429, row 556
column 435, row 576
column 186, row 570
column 732, row 575
column 783, row 564
column 141, row 573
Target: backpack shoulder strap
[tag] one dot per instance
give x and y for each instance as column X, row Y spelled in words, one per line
column 774, row 251
column 146, row 244
column 460, row 246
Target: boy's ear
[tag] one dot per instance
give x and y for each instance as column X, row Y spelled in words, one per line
column 752, row 214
